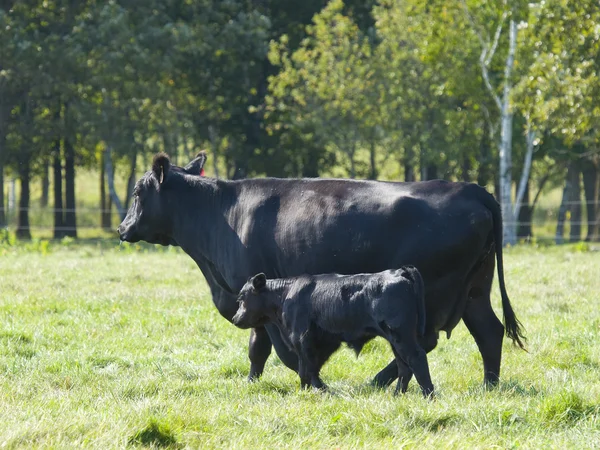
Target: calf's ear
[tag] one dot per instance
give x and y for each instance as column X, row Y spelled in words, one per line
column 259, row 281
column 196, row 166
column 160, row 166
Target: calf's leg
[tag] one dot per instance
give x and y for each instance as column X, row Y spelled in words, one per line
column 386, row 376
column 408, row 352
column 314, row 356
column 259, row 349
column 404, row 374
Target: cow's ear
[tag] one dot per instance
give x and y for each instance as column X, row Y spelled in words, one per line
column 196, row 166
column 259, row 281
column 160, row 166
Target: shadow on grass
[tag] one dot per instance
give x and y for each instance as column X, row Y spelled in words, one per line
column 511, row 388
column 435, row 423
column 566, row 408
column 155, row 433
column 266, row 387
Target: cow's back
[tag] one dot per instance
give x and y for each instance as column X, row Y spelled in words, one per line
column 345, row 226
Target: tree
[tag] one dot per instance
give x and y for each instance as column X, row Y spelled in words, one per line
column 564, row 83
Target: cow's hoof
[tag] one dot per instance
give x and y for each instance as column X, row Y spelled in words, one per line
column 429, row 393
column 490, row 383
column 253, row 377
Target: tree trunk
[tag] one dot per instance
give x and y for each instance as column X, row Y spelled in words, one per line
column 310, row 162
column 213, row 135
column 409, row 168
column 105, row 221
column 525, row 215
column 429, row 172
column 241, row 167
column 564, row 205
column 111, row 183
column 131, row 180
column 483, row 171
column 373, row 172
column 524, row 181
column 465, row 168
column 3, row 221
column 70, row 215
column 510, row 228
column 45, row 183
column 4, row 109
column 23, row 231
column 590, row 188
column 575, row 206
column 59, row 222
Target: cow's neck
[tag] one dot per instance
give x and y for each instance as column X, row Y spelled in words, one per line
column 200, row 229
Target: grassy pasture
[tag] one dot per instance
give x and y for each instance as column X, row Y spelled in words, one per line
column 104, row 346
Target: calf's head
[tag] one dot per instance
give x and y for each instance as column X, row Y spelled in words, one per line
column 254, row 307
column 149, row 217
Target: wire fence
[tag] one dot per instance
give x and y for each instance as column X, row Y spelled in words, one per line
column 97, row 222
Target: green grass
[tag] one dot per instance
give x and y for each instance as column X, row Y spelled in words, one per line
column 104, row 346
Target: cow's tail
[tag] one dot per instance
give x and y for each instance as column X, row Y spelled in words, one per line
column 419, row 290
column 514, row 328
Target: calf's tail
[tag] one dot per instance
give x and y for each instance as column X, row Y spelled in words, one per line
column 419, row 290
column 514, row 328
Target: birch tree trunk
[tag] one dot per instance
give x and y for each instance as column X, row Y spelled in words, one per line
column 524, row 181
column 510, row 224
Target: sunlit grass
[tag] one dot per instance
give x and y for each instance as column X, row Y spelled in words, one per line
column 107, row 347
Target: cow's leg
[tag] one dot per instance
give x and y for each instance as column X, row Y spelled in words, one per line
column 488, row 332
column 259, row 349
column 305, row 380
column 285, row 354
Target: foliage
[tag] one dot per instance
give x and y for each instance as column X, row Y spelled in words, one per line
column 387, row 89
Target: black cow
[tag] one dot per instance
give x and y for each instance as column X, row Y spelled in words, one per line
column 286, row 227
column 316, row 313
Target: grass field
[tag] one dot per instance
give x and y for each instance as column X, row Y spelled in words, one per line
column 104, row 346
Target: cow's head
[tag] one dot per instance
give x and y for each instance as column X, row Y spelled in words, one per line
column 254, row 307
column 150, row 215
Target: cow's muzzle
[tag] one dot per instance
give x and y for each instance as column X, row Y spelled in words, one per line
column 126, row 233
